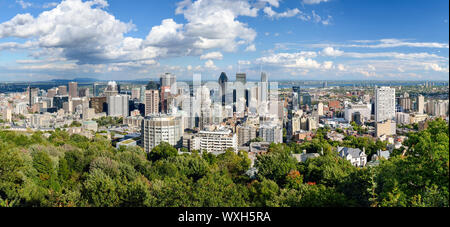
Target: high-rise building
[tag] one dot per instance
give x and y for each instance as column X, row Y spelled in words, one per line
column 52, row 93
column 62, row 90
column 112, row 89
column 384, row 104
column 161, row 128
column 73, row 89
column 420, row 104
column 59, row 100
column 264, row 96
column 223, row 80
column 99, row 104
column 241, row 77
column 84, row 92
column 151, row 102
column 32, row 95
column 405, row 103
column 142, row 94
column 245, row 134
column 135, row 93
column 169, row 80
column 271, row 133
column 118, row 105
column 320, row 109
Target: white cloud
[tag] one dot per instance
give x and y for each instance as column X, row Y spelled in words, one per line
column 250, row 48
column 289, row 13
column 331, row 52
column 327, row 65
column 24, row 4
column 274, row 3
column 436, row 67
column 50, row 5
column 214, row 24
column 341, row 67
column 212, row 55
column 242, row 62
column 210, row 64
column 311, row 2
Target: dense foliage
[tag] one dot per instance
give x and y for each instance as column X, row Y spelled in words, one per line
column 70, row 170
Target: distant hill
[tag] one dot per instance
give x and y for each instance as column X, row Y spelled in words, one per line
column 80, row 80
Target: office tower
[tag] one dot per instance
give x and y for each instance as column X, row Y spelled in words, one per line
column 52, row 93
column 161, row 128
column 306, row 99
column 118, row 105
column 135, row 93
column 325, row 84
column 151, row 102
column 297, row 90
column 59, row 100
column 62, row 90
column 241, row 77
column 164, row 97
column 271, row 133
column 264, row 96
column 84, row 92
column 95, row 90
column 169, row 80
column 142, row 94
column 112, row 89
column 384, row 104
column 32, row 95
column 420, row 104
column 223, row 80
column 99, row 104
column 73, row 89
column 245, row 134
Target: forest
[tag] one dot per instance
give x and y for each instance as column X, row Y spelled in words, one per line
column 62, row 170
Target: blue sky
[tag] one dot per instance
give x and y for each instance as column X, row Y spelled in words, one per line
column 289, row 39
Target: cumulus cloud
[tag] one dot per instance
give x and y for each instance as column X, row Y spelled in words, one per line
column 327, row 65
column 274, row 15
column 214, row 24
column 331, row 52
column 212, row 55
column 88, row 34
column 210, row 65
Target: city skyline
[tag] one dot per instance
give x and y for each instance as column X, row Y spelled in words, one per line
column 290, row 40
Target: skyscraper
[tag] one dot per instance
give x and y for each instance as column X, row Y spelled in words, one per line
column 135, row 93
column 241, row 77
column 62, row 90
column 112, row 89
column 223, row 80
column 118, row 105
column 151, row 102
column 73, row 89
column 384, row 104
column 169, row 80
column 420, row 104
column 264, row 87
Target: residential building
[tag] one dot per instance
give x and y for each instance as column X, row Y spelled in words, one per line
column 160, row 128
column 384, row 104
